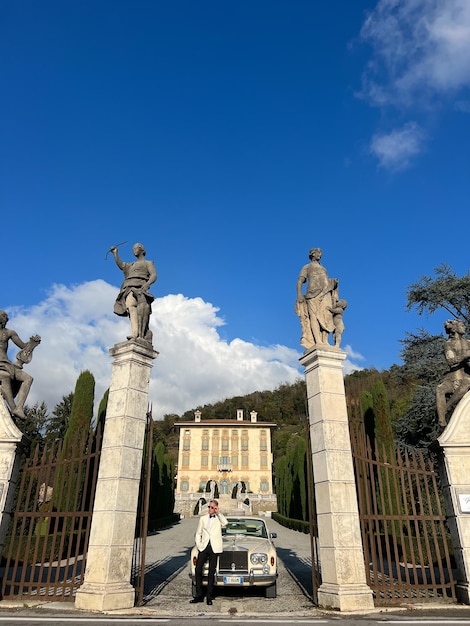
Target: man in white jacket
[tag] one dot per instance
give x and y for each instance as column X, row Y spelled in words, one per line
column 209, row 544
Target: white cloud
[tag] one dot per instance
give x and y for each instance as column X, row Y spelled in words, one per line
column 421, row 50
column 395, row 149
column 420, row 61
column 194, row 367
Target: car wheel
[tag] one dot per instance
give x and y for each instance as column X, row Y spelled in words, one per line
column 271, row 591
column 193, row 589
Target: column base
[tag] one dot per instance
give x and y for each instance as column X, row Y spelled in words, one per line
column 345, row 597
column 97, row 597
column 462, row 592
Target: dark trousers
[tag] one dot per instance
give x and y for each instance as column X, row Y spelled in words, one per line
column 202, row 557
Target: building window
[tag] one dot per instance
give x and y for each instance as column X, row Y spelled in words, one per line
column 224, row 444
column 215, row 460
column 264, row 461
column 244, row 461
column 263, row 444
column 204, row 461
column 234, row 460
column 186, row 433
column 184, row 485
column 262, row 433
column 244, row 444
column 225, row 460
column 235, row 433
column 205, row 432
column 186, row 444
column 185, row 459
column 205, row 444
column 264, row 485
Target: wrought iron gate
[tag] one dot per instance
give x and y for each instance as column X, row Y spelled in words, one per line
column 405, row 538
column 140, row 543
column 46, row 544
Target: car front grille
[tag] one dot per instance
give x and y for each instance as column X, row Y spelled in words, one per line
column 233, row 561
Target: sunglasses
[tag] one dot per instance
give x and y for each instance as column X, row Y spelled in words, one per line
column 212, row 507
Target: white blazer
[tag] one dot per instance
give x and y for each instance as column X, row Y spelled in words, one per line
column 214, row 535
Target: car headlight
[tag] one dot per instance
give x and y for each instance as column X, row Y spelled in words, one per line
column 258, row 558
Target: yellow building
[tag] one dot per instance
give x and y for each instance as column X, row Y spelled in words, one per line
column 230, row 459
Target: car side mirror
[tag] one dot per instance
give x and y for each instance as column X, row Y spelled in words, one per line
column 273, row 535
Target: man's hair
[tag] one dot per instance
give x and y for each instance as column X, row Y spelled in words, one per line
column 214, row 501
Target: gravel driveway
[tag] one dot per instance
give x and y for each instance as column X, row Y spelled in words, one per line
column 168, row 586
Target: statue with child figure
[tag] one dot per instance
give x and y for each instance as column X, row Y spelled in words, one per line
column 320, row 309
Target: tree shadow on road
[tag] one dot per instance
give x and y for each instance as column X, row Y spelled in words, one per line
column 160, row 574
column 299, row 568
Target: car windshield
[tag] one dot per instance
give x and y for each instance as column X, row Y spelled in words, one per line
column 245, row 526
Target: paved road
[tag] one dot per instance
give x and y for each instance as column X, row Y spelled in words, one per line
column 168, row 587
column 168, row 591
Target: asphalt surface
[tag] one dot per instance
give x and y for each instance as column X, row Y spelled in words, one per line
column 168, row 587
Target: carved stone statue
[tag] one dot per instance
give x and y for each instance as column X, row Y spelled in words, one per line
column 212, row 489
column 134, row 299
column 337, row 310
column 456, row 382
column 318, row 306
column 14, row 381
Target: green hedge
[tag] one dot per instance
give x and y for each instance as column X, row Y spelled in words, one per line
column 163, row 522
column 293, row 524
column 50, row 543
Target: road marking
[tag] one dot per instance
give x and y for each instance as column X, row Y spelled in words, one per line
column 423, row 620
column 278, row 621
column 91, row 620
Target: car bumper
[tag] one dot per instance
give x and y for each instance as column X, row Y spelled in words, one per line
column 244, row 579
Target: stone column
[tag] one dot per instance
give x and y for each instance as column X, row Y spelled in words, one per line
column 340, row 547
column 455, row 448
column 11, row 440
column 109, row 561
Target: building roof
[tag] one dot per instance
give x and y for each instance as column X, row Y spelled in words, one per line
column 227, row 422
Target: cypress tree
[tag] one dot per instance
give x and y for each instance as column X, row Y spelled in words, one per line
column 69, row 481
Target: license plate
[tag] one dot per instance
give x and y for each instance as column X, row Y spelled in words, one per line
column 233, row 580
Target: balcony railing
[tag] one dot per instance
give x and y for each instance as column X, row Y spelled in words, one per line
column 225, row 467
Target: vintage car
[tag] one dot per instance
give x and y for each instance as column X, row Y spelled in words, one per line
column 249, row 558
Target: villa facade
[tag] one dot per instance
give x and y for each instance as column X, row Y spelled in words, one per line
column 229, row 459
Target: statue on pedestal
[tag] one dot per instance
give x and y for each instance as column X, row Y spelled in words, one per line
column 14, row 381
column 134, row 299
column 456, row 382
column 320, row 309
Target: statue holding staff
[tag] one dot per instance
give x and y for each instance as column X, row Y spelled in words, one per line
column 134, row 299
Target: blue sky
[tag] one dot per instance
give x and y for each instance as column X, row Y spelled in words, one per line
column 229, row 138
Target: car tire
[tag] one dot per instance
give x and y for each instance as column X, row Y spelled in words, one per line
column 271, row 591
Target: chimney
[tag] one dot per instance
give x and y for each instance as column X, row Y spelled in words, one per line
column 239, row 415
column 197, row 416
column 254, row 416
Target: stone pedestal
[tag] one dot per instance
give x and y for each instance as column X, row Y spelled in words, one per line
column 344, row 584
column 11, row 439
column 455, row 448
column 109, row 562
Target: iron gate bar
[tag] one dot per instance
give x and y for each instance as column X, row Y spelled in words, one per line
column 403, row 526
column 47, row 548
column 140, row 544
